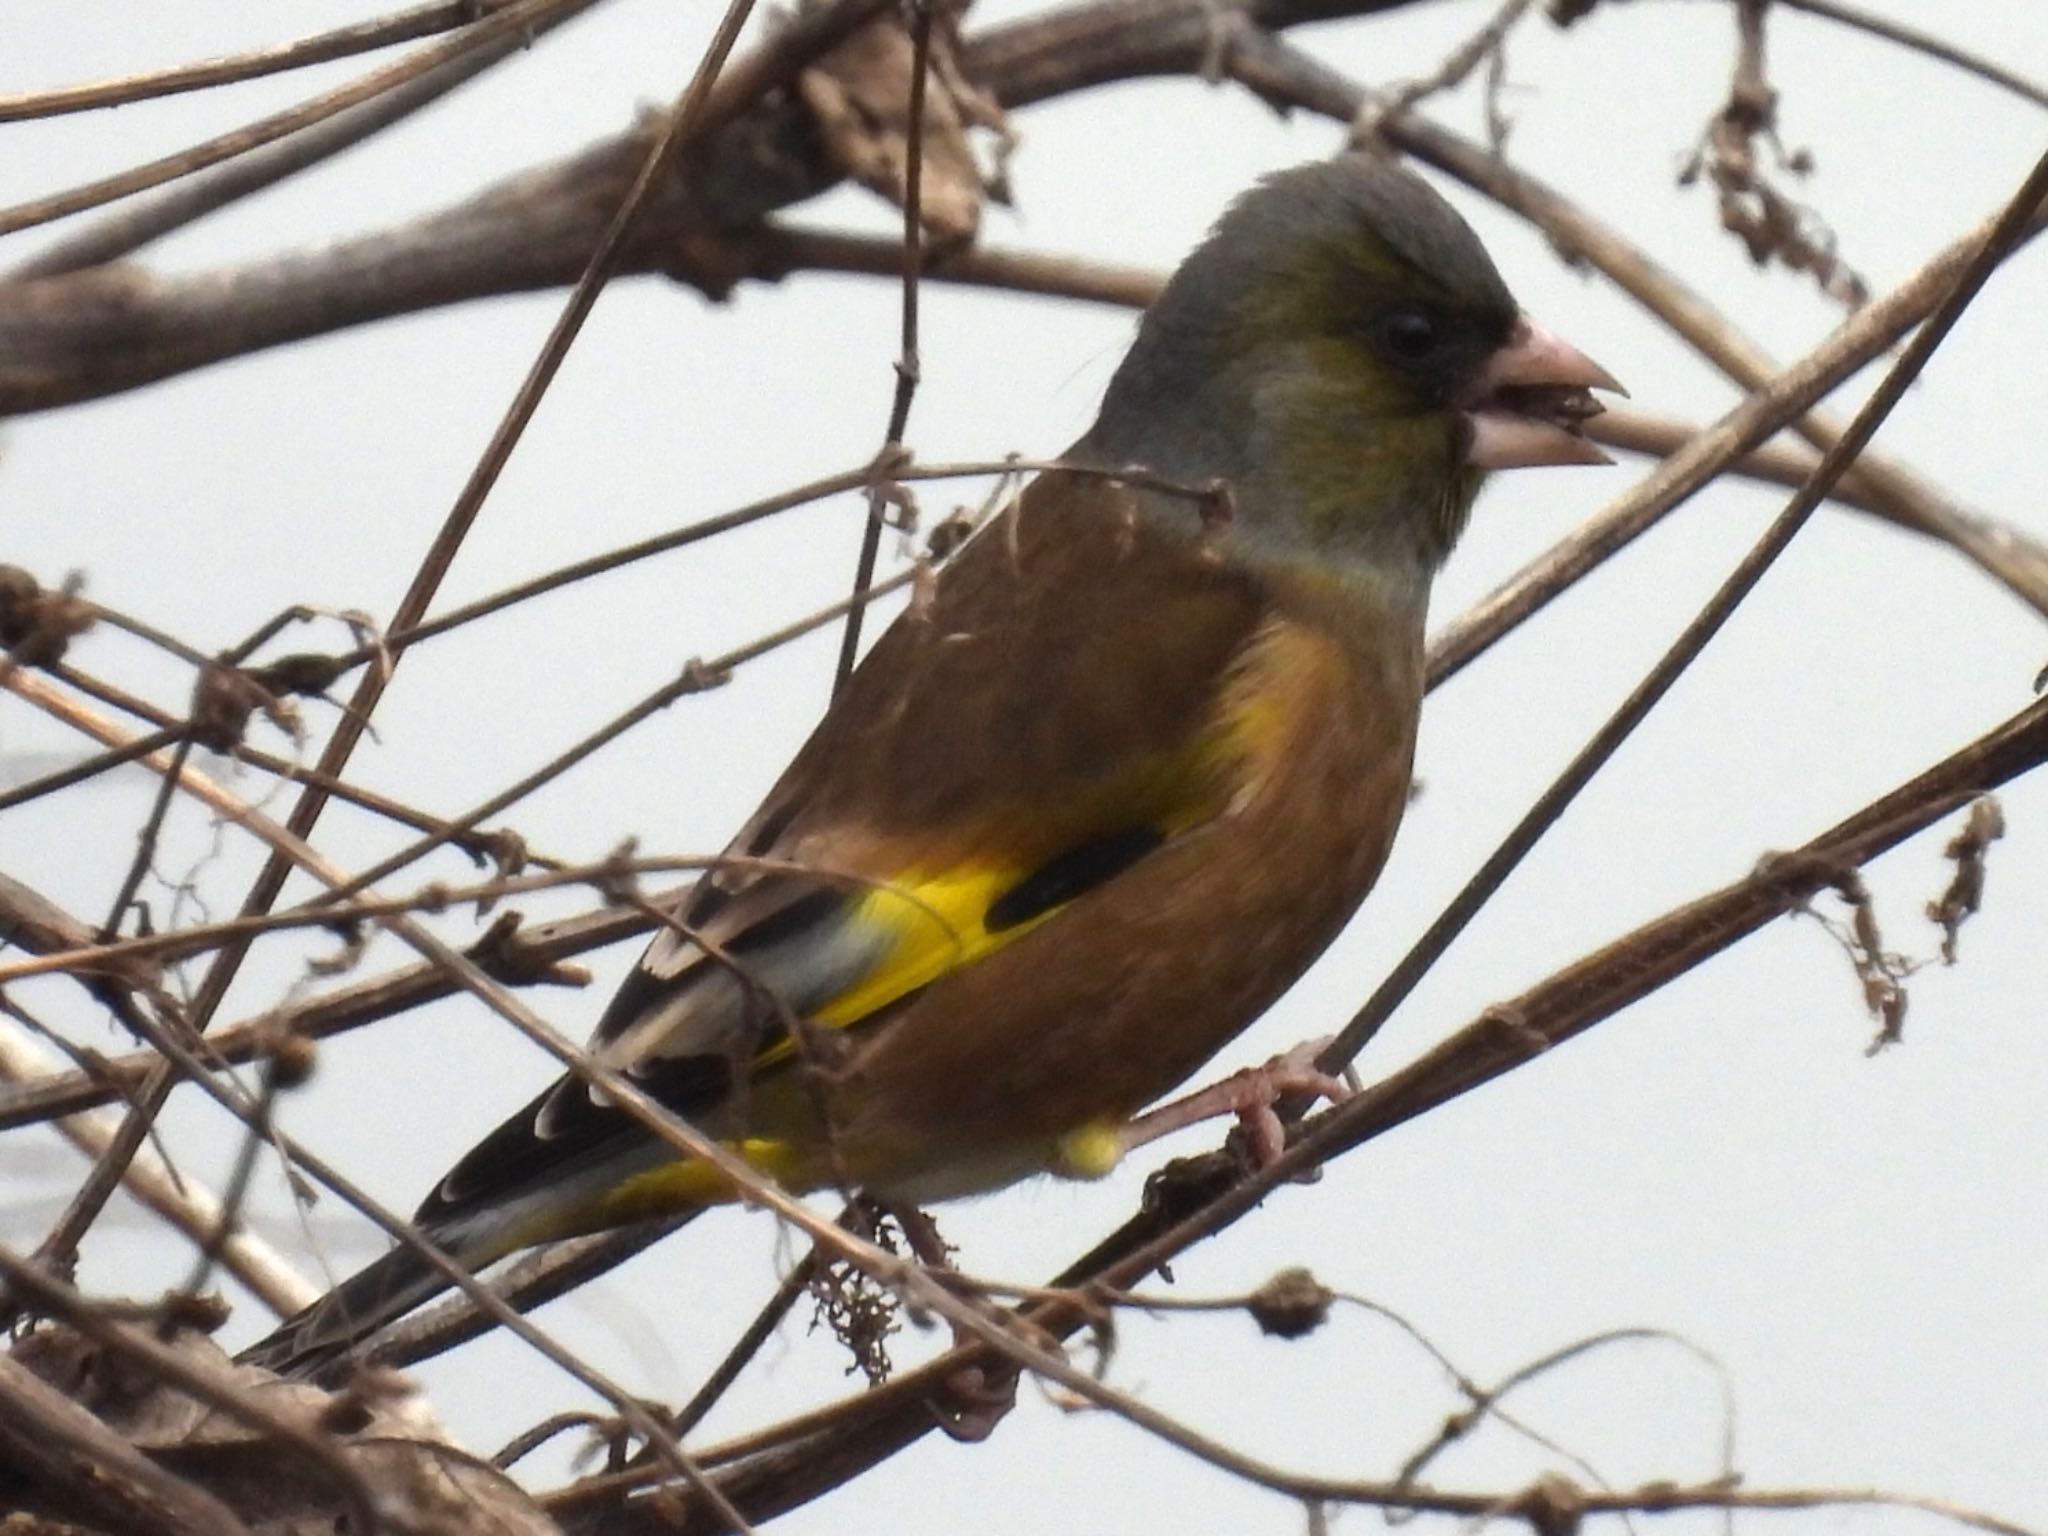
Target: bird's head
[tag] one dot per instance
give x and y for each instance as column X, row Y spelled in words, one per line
column 1343, row 354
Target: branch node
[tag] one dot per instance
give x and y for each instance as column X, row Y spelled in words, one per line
column 504, row 953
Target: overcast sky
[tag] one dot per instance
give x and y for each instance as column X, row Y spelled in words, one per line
column 1860, row 1242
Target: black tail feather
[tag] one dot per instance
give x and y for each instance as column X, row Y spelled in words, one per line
column 312, row 1343
column 321, row 1343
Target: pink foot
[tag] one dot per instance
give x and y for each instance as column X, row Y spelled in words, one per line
column 974, row 1399
column 1249, row 1095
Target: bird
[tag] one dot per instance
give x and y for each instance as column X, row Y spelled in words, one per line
column 1087, row 808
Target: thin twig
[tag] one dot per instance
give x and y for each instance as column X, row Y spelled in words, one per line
column 1488, row 43
column 908, row 369
column 321, row 48
column 59, row 1248
column 1935, row 47
column 136, row 222
column 183, row 1204
column 516, row 18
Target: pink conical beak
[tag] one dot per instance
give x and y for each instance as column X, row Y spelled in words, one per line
column 1530, row 401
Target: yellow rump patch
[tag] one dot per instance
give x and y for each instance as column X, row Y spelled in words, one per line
column 688, row 1183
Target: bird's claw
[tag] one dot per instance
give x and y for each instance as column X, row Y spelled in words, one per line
column 1250, row 1095
column 974, row 1400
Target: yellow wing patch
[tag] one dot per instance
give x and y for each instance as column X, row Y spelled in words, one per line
column 939, row 923
column 938, row 916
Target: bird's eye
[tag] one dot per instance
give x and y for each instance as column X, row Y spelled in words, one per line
column 1411, row 334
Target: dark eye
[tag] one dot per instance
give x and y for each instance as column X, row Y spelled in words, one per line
column 1411, row 334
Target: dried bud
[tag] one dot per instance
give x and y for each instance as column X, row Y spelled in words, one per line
column 222, row 701
column 1291, row 1305
column 37, row 624
column 292, row 1059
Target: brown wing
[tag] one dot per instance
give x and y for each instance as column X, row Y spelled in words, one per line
column 1030, row 734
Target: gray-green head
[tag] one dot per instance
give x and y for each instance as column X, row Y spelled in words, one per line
column 1342, row 352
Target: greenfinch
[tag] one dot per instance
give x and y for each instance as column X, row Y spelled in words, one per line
column 1079, row 818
